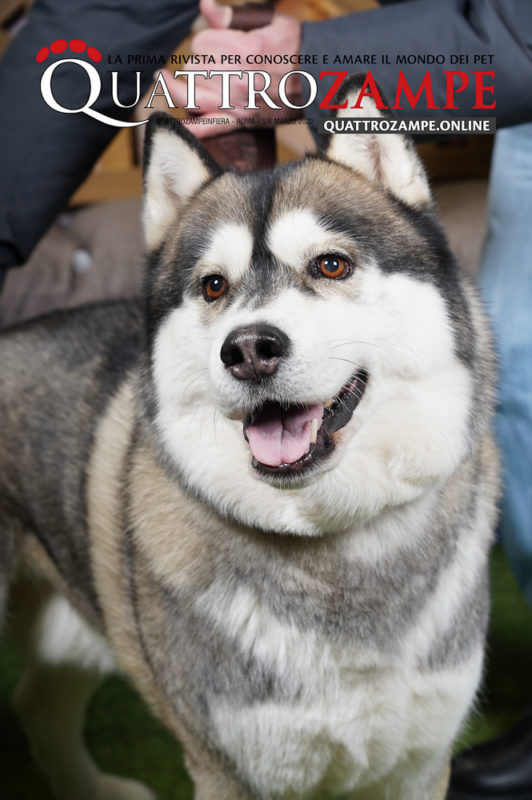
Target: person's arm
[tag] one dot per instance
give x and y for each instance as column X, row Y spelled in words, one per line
column 502, row 28
column 281, row 36
column 45, row 155
column 498, row 28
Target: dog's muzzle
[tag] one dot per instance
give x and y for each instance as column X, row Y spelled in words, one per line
column 285, row 439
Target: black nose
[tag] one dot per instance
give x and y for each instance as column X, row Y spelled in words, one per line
column 252, row 353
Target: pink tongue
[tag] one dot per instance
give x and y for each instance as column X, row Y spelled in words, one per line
column 282, row 437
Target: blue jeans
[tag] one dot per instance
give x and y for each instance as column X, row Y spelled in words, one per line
column 506, row 283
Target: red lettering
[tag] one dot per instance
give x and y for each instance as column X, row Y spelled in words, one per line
column 403, row 86
column 480, row 88
column 369, row 89
column 456, row 81
column 326, row 102
column 450, row 89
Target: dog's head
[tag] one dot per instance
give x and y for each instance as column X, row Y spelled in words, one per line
column 306, row 329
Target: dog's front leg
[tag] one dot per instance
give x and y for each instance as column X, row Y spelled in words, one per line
column 51, row 699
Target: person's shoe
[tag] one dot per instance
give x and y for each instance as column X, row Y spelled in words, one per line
column 500, row 768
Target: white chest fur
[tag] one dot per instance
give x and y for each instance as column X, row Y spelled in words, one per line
column 348, row 718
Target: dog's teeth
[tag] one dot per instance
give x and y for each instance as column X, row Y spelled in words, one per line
column 329, row 403
column 314, row 431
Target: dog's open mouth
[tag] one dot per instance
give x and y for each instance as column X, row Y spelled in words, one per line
column 286, row 440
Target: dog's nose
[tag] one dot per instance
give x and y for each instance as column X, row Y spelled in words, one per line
column 253, row 353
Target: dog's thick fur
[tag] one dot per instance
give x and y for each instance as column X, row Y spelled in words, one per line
column 316, row 626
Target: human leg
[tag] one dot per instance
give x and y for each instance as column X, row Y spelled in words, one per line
column 502, row 768
column 506, row 284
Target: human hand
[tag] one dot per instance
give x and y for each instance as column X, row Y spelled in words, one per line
column 281, row 37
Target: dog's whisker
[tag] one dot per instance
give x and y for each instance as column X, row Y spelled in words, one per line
column 346, row 342
column 193, row 379
column 214, row 414
column 339, row 358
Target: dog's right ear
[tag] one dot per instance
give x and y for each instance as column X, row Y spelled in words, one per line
column 175, row 166
column 388, row 160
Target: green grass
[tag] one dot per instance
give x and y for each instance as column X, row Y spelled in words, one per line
column 125, row 739
column 507, row 687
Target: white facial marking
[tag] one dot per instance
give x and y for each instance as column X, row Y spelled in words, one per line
column 229, row 251
column 296, row 235
column 408, row 433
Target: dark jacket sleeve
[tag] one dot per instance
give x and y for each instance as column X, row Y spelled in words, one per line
column 498, row 28
column 45, row 155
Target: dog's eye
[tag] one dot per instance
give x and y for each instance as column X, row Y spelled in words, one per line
column 333, row 267
column 214, row 286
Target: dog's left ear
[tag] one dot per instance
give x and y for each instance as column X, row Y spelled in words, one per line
column 175, row 167
column 387, row 159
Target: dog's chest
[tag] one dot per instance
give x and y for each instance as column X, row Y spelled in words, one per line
column 339, row 715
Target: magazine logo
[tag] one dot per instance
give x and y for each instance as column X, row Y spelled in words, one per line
column 78, row 46
column 160, row 89
column 479, row 83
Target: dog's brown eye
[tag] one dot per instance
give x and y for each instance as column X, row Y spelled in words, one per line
column 214, row 286
column 333, row 267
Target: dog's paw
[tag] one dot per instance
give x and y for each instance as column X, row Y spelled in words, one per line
column 112, row 787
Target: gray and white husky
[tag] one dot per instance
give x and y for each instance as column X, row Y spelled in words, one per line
column 266, row 495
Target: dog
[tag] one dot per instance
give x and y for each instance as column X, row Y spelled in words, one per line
column 267, row 492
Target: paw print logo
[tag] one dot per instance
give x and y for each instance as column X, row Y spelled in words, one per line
column 70, row 52
column 61, row 46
